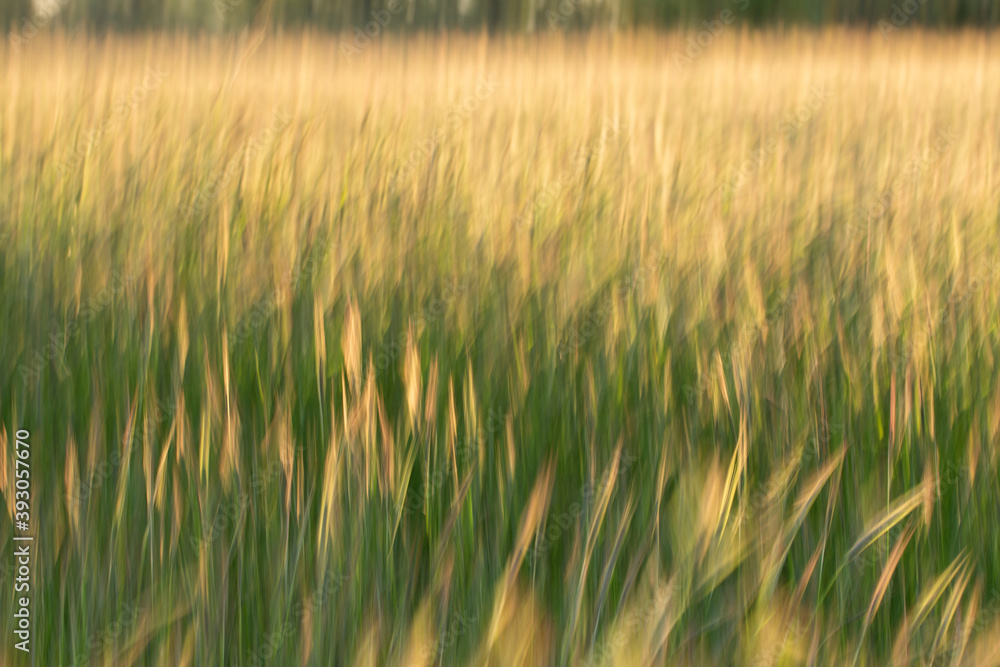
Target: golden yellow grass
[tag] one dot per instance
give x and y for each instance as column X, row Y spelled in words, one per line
column 575, row 271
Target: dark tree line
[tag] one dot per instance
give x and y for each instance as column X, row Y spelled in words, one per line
column 495, row 15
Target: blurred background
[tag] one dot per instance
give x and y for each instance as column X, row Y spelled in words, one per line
column 510, row 15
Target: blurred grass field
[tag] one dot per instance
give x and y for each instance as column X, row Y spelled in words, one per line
column 513, row 351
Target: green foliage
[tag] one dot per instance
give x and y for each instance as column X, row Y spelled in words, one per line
column 286, row 409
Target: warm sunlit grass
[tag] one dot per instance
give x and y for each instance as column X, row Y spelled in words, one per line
column 523, row 351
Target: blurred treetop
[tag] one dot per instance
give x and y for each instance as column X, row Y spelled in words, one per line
column 495, row 15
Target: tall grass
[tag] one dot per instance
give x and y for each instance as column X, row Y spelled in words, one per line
column 618, row 362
